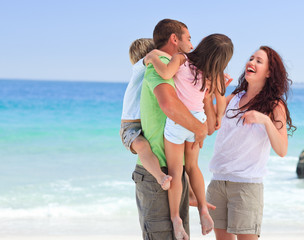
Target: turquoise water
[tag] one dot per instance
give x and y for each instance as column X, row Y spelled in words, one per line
column 62, row 162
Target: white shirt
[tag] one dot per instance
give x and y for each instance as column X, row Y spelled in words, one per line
column 241, row 151
column 131, row 102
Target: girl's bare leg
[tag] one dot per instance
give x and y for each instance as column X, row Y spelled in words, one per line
column 175, row 155
column 192, row 198
column 150, row 161
column 198, row 185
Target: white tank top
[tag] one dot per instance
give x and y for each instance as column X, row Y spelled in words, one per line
column 131, row 102
column 240, row 151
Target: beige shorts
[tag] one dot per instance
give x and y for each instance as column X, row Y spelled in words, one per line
column 239, row 206
column 128, row 132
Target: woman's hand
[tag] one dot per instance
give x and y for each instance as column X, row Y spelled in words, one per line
column 254, row 117
column 276, row 130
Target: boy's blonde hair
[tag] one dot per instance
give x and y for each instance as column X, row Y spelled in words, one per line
column 140, row 48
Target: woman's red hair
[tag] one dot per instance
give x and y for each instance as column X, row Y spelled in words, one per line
column 275, row 90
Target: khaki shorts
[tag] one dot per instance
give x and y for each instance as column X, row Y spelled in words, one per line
column 128, row 132
column 239, row 206
column 153, row 206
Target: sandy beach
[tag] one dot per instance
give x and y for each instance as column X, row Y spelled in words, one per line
column 268, row 236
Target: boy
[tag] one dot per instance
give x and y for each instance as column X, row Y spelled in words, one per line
column 130, row 131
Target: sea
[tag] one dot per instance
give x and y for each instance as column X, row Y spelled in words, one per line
column 64, row 170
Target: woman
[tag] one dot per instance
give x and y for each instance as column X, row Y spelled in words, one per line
column 256, row 119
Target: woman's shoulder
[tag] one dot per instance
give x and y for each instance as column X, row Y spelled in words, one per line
column 280, row 109
column 234, row 97
column 229, row 98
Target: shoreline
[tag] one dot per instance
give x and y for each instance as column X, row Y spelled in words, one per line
column 266, row 236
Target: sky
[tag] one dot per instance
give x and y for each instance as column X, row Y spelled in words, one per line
column 88, row 40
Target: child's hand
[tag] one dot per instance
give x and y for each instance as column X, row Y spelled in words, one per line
column 154, row 54
column 228, row 79
column 148, row 58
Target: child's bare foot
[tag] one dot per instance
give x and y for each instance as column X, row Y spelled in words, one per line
column 179, row 231
column 165, row 182
column 207, row 223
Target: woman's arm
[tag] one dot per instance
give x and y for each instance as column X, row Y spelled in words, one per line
column 277, row 131
column 166, row 71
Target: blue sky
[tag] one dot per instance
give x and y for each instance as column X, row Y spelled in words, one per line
column 88, row 40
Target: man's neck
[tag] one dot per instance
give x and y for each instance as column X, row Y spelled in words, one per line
column 171, row 50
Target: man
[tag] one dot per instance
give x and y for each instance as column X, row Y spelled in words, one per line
column 159, row 101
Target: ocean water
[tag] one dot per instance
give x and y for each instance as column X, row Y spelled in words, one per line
column 63, row 169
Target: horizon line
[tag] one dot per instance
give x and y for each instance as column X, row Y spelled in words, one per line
column 78, row 80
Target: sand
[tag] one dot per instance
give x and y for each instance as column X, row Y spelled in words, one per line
column 268, row 236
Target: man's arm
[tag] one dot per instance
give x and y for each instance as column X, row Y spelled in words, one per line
column 178, row 112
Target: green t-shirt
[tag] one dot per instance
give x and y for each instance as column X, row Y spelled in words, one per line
column 153, row 119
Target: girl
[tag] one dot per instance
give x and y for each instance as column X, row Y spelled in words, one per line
column 192, row 73
column 256, row 119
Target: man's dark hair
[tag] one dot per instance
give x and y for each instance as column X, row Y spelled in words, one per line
column 164, row 29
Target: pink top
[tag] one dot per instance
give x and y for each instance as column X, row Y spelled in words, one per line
column 187, row 92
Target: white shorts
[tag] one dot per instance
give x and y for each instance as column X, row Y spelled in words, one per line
column 177, row 134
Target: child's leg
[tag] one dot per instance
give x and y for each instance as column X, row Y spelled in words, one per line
column 175, row 155
column 192, row 198
column 150, row 161
column 198, row 185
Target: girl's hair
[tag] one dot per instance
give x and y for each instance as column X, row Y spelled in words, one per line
column 275, row 90
column 210, row 58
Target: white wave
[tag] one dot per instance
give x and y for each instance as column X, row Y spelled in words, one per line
column 116, row 183
column 106, row 207
column 65, row 185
